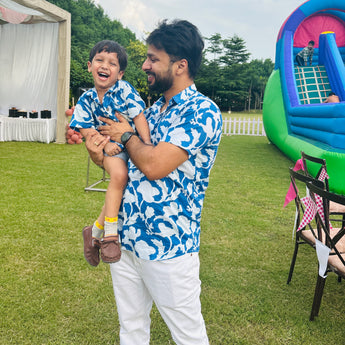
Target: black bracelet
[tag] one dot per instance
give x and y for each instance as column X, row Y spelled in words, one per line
column 126, row 136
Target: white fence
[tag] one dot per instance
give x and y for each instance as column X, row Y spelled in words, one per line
column 243, row 126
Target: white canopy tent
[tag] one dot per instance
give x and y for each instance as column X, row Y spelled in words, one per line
column 35, row 45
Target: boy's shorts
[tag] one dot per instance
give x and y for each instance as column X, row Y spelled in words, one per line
column 123, row 155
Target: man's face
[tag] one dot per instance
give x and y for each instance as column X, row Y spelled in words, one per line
column 159, row 69
column 310, row 46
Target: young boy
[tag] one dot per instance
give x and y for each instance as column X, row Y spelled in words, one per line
column 305, row 55
column 107, row 63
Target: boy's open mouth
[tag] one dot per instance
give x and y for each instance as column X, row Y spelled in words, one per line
column 103, row 75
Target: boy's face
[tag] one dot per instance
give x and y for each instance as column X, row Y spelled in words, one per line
column 105, row 69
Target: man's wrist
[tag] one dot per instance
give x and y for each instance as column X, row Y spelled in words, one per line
column 125, row 137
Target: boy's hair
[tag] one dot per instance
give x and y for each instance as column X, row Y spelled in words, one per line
column 110, row 47
column 331, row 94
column 311, row 42
column 180, row 40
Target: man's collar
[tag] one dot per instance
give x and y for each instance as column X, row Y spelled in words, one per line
column 180, row 97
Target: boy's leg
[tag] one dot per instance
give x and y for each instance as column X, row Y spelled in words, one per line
column 133, row 300
column 116, row 167
column 299, row 60
column 98, row 226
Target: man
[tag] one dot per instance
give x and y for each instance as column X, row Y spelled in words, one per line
column 163, row 200
column 305, row 55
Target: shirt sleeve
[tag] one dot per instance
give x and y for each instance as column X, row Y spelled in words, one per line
column 196, row 128
column 133, row 102
column 82, row 116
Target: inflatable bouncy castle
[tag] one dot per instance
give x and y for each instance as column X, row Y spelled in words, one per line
column 294, row 113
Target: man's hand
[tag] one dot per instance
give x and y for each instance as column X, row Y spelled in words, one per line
column 115, row 129
column 95, row 144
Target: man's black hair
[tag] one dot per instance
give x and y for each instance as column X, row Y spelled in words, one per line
column 110, row 47
column 180, row 40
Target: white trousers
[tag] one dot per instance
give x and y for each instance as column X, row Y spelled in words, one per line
column 173, row 285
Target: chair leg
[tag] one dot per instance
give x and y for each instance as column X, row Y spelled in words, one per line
column 293, row 261
column 320, row 284
column 87, row 172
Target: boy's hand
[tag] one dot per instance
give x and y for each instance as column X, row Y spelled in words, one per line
column 112, row 149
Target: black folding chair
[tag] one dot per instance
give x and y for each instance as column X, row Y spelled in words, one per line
column 333, row 238
column 319, row 165
column 309, row 232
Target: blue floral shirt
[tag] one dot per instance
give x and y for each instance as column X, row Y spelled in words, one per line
column 161, row 218
column 122, row 97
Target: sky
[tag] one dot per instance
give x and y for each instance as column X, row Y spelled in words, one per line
column 257, row 22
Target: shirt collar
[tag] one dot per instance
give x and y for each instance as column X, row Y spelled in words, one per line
column 180, row 97
column 94, row 95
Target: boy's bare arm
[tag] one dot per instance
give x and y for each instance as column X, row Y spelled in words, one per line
column 142, row 128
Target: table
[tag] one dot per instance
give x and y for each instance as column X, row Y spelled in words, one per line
column 26, row 129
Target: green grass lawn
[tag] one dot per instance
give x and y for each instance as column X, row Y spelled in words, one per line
column 50, row 295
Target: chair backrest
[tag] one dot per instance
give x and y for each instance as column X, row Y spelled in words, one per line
column 334, row 237
column 300, row 208
column 295, row 175
column 305, row 179
column 319, row 166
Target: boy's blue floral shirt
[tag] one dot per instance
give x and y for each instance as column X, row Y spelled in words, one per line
column 122, row 97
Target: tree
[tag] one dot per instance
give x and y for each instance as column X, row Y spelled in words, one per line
column 257, row 76
column 89, row 25
column 216, row 45
column 228, row 78
column 225, row 74
column 235, row 51
column 136, row 51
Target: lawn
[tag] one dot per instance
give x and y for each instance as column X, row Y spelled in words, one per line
column 50, row 295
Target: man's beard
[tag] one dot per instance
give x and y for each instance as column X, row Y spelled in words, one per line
column 161, row 83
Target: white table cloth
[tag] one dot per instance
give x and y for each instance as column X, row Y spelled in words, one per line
column 26, row 129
